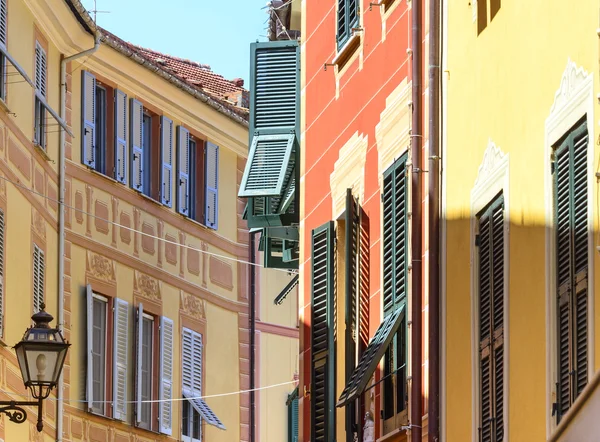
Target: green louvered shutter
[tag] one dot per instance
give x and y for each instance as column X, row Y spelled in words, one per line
column 491, row 321
column 293, row 420
column 322, row 335
column 571, row 223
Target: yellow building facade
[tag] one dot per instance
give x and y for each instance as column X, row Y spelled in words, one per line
column 520, row 218
column 156, row 280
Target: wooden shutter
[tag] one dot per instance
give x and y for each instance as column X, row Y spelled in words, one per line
column 183, row 171
column 136, row 137
column 88, row 119
column 395, row 241
column 120, row 352
column 187, row 371
column 212, row 185
column 571, row 223
column 3, row 23
column 197, row 364
column 491, row 321
column 121, row 158
column 322, row 336
column 166, row 148
column 138, row 365
column 166, row 376
column 89, row 389
column 38, row 278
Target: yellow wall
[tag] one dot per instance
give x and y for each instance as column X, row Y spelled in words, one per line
column 209, row 290
column 500, row 87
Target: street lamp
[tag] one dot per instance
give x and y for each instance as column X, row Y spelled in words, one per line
column 41, row 355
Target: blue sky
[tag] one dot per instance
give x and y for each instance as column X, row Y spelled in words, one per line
column 214, row 32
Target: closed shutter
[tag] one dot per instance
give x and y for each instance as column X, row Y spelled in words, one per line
column 138, row 366
column 120, row 352
column 166, row 148
column 571, row 223
column 491, row 321
column 39, row 266
column 212, row 185
column 88, row 117
column 2, row 226
column 183, row 171
column 322, row 339
column 395, row 242
column 293, row 421
column 3, row 23
column 121, row 136
column 41, row 69
column 136, row 137
column 89, row 395
column 166, row 376
column 187, row 371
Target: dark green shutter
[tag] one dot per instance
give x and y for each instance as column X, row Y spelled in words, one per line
column 571, row 213
column 293, row 420
column 322, row 334
column 491, row 321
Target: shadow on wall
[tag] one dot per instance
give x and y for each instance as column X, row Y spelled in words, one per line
column 482, row 12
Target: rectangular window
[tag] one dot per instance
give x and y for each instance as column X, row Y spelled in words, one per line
column 395, row 282
column 490, row 282
column 100, row 124
column 147, row 342
column 98, row 353
column 347, row 19
column 197, row 179
column 147, row 149
column 39, row 267
column 191, row 424
column 571, row 224
column 41, row 74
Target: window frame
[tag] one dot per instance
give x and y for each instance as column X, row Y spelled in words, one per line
column 101, row 128
column 153, row 425
column 102, row 410
column 192, row 412
column 343, row 36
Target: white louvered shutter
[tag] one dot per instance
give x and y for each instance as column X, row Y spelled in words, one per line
column 121, row 136
column 212, row 185
column 38, row 278
column 166, row 376
column 1, row 273
column 41, row 69
column 3, row 23
column 120, row 351
column 197, row 364
column 138, row 365
column 183, row 171
column 89, row 389
column 187, row 371
column 166, row 147
column 136, row 137
column 88, row 113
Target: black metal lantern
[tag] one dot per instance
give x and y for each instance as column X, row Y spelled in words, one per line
column 41, row 355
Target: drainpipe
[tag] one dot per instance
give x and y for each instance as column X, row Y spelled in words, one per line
column 252, row 339
column 434, row 222
column 416, row 409
column 61, row 222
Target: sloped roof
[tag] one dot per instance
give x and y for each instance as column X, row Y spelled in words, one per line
column 208, row 87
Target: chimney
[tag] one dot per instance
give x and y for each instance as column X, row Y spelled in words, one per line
column 239, row 82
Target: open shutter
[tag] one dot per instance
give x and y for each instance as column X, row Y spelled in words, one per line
column 322, row 342
column 38, row 278
column 121, row 136
column 293, row 420
column 212, row 185
column 3, row 22
column 197, row 364
column 136, row 137
column 187, row 371
column 183, row 171
column 120, row 351
column 497, row 277
column 166, row 376
column 90, row 346
column 2, row 225
column 88, row 116
column 138, row 365
column 166, row 148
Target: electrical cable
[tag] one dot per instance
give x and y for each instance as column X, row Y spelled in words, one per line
column 131, row 229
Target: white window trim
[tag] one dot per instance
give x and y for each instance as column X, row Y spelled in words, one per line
column 493, row 177
column 105, row 301
column 573, row 100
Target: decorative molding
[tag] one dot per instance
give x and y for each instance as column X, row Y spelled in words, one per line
column 349, row 172
column 39, row 223
column 101, row 267
column 147, row 286
column 221, row 273
column 492, row 158
column 572, row 80
column 193, row 306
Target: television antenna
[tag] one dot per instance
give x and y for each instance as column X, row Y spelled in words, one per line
column 95, row 11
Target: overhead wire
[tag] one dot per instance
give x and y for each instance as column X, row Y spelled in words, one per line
column 131, row 229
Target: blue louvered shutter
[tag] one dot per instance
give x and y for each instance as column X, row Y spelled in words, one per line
column 211, row 163
column 136, row 137
column 88, row 117
column 183, row 171
column 166, row 148
column 121, row 157
column 322, row 338
column 120, row 352
column 166, row 376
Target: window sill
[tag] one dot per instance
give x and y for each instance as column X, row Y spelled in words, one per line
column 42, row 151
column 196, row 222
column 4, row 106
column 345, row 53
column 95, row 172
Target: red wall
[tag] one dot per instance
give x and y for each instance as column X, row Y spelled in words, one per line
column 329, row 124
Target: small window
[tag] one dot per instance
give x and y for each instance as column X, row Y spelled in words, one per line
column 347, row 20
column 98, row 351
